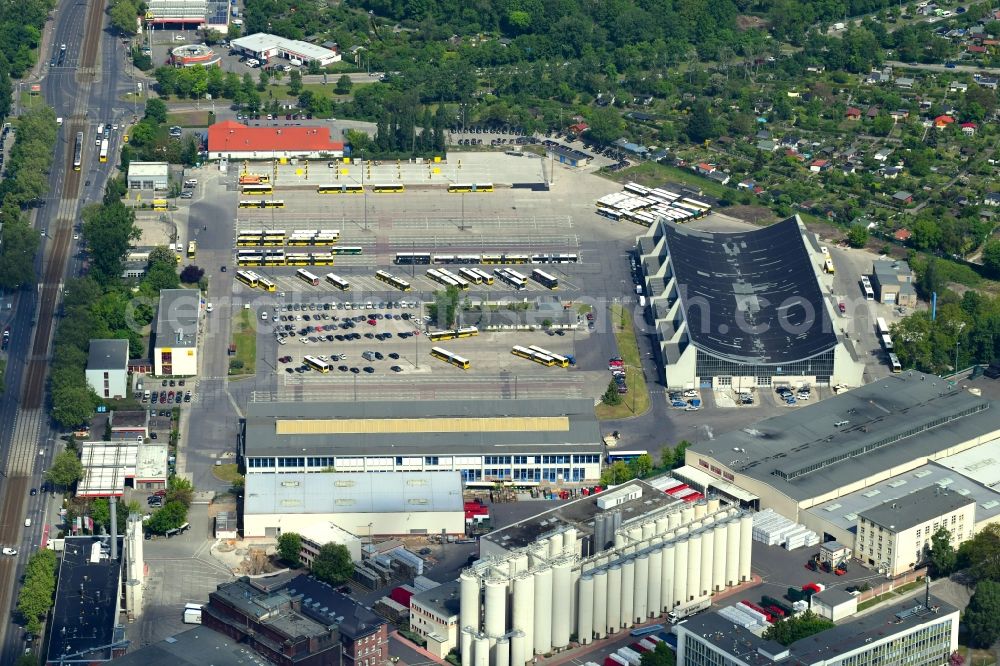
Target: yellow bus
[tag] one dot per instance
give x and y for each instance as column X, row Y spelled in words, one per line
column 560, row 360
column 389, row 188
column 159, row 204
column 257, row 190
column 340, row 189
column 828, row 266
column 448, row 357
column 274, row 203
column 266, row 284
column 249, row 278
column 251, row 203
column 192, row 249
column 316, row 364
column 531, row 355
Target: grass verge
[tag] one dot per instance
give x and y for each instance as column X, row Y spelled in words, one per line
column 245, row 339
column 227, row 472
column 636, row 401
column 976, row 656
column 901, row 590
column 653, row 174
column 188, row 118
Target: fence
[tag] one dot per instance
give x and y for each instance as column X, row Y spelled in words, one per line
column 890, row 585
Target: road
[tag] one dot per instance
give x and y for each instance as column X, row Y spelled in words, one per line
column 929, row 67
column 83, row 91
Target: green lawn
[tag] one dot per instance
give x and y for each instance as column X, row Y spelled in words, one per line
column 227, row 472
column 636, row 401
column 652, row 173
column 188, row 118
column 903, row 589
column 245, row 339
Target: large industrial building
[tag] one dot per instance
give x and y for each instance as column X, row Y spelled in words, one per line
column 743, row 309
column 230, row 140
column 527, row 442
column 916, row 632
column 167, row 14
column 596, row 566
column 175, row 349
column 847, row 442
column 363, row 504
column 265, row 47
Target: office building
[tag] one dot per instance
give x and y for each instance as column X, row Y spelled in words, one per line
column 148, row 175
column 175, row 347
column 434, row 616
column 234, row 141
column 107, row 368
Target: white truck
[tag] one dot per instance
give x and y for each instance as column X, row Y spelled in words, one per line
column 630, row 655
column 690, row 608
column 192, row 613
column 642, row 301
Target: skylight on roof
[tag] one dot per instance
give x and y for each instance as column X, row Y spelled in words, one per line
column 922, row 473
column 851, row 516
column 832, row 507
column 897, row 483
column 946, row 481
column 872, row 493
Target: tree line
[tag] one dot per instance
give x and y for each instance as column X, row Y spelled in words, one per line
column 26, row 182
column 35, row 597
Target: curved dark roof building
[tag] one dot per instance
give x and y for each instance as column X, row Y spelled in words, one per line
column 741, row 308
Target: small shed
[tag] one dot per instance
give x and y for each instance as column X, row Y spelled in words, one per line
column 834, row 552
column 834, row 604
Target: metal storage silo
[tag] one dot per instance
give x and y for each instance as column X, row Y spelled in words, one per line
column 713, row 504
column 640, row 596
column 522, row 617
column 694, row 565
column 585, row 610
column 700, row 509
column 732, row 551
column 654, row 603
column 674, row 520
column 561, row 614
column 614, row 606
column 570, row 545
column 648, row 530
column 574, row 592
column 518, row 563
column 542, row 635
column 719, row 561
column 519, row 649
column 628, row 591
column 467, row 647
column 687, row 514
column 662, row 524
column 469, row 604
column 619, row 540
column 746, row 531
column 501, row 652
column 680, row 570
column 555, row 545
column 707, row 559
column 495, row 622
column 667, row 577
column 600, row 614
column 600, row 532
column 481, row 652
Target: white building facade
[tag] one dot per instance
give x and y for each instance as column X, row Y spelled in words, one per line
column 107, row 368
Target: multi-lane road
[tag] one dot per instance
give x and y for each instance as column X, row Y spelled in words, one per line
column 84, row 90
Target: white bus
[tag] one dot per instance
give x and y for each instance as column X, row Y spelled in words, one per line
column 544, row 279
column 338, row 282
column 316, row 364
column 306, row 276
column 886, row 342
column 881, row 326
column 894, row 363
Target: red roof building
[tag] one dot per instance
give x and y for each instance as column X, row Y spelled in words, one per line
column 232, row 140
column 853, row 113
column 902, row 235
column 943, row 121
column 579, row 128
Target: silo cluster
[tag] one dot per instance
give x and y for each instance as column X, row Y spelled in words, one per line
column 533, row 601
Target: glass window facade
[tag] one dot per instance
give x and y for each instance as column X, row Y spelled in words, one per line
column 821, row 367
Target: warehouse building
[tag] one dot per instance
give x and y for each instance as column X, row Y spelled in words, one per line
column 365, row 504
column 231, row 140
column 924, row 629
column 594, row 567
column 741, row 309
column 187, row 14
column 894, row 536
column 107, row 368
column 148, row 176
column 264, row 47
column 175, row 349
column 110, row 467
column 528, row 442
column 845, row 443
column 892, row 281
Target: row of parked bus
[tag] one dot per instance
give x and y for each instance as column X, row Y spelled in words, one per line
column 541, row 356
column 270, row 257
column 425, row 258
column 280, row 237
column 255, row 281
column 453, row 334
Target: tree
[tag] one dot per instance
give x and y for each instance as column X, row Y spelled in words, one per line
column 295, row 83
column 35, row 596
column 661, row 655
column 981, row 615
column 156, row 110
column 66, row 469
column 605, row 125
column 882, row 125
column 619, row 472
column 611, row 396
column 857, row 236
column 192, row 274
column 333, row 564
column 981, row 554
column 991, row 256
column 641, row 466
column 123, row 17
column 289, row 546
column 169, row 517
column 700, row 125
column 180, row 490
column 17, row 255
column 795, row 628
column 344, row 85
column 109, row 230
column 942, row 554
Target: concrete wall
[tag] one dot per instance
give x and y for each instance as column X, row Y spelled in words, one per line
column 382, row 524
column 117, row 382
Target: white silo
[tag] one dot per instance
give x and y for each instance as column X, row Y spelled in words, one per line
column 519, row 649
column 707, row 559
column 542, row 635
column 585, row 610
column 619, row 540
column 501, row 652
column 674, row 520
column 468, row 601
column 654, row 602
column 648, row 530
column 467, row 647
column 640, row 597
column 694, row 565
column 556, row 545
column 496, row 608
column 542, row 550
column 746, row 531
column 628, row 591
column 700, row 509
column 481, row 652
column 614, row 606
column 732, row 551
column 600, row 614
column 667, row 576
column 687, row 514
column 713, row 504
column 574, row 592
column 518, row 563
column 719, row 561
column 570, row 545
column 662, row 524
column 680, row 570
column 561, row 613
column 522, row 617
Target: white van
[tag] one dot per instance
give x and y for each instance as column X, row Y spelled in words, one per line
column 27, row 522
column 295, row 61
